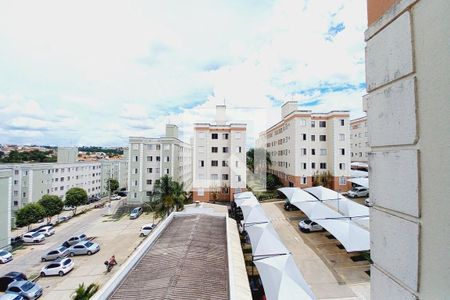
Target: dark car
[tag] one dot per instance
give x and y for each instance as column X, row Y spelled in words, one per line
column 122, row 194
column 10, row 277
column 289, row 207
column 93, row 199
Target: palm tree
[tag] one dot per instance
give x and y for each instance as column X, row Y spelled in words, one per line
column 180, row 195
column 83, row 293
column 167, row 196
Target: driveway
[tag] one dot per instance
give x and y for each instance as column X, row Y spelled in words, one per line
column 323, row 279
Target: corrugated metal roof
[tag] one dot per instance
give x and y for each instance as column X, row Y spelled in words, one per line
column 188, row 261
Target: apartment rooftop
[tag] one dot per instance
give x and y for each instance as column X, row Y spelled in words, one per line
column 188, row 261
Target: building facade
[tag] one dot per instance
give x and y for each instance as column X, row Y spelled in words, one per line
column 152, row 158
column 359, row 140
column 304, row 144
column 407, row 64
column 32, row 181
column 114, row 169
column 5, row 207
column 219, row 158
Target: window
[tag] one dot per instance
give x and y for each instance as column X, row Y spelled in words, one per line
column 224, row 176
column 167, row 171
column 303, row 151
column 149, row 181
column 149, row 170
column 16, row 193
column 214, row 149
column 237, row 164
column 303, row 136
column 342, row 137
column 214, row 176
column 322, row 138
column 313, row 138
column 148, row 193
column 341, row 166
column 342, row 180
column 342, row 121
column 214, row 136
column 158, row 147
column 323, row 165
column 201, row 163
column 225, row 149
column 304, row 166
column 342, row 150
column 214, row 163
column 323, row 151
column 313, row 124
column 135, row 183
column 313, row 165
column 224, row 163
column 322, row 124
column 201, row 192
column 135, row 195
column 167, row 158
column 158, row 158
column 149, row 158
column 150, row 147
column 136, row 158
column 225, row 136
column 313, row 151
column 239, row 149
column 238, row 178
column 304, row 180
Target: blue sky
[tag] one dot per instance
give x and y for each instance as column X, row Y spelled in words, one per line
column 95, row 73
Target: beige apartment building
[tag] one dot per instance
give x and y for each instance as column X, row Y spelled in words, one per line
column 152, row 158
column 304, row 144
column 114, row 169
column 359, row 140
column 219, row 158
column 408, row 109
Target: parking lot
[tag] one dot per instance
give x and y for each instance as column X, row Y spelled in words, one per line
column 330, row 270
column 117, row 237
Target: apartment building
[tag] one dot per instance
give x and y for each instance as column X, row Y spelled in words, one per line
column 407, row 64
column 152, row 158
column 219, row 158
column 304, row 144
column 114, row 169
column 359, row 141
column 5, row 207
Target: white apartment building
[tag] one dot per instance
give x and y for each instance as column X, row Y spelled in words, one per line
column 152, row 158
column 219, row 158
column 304, row 144
column 359, row 141
column 32, row 181
column 114, row 169
column 5, row 206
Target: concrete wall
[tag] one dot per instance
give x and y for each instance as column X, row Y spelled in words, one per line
column 5, row 207
column 407, row 65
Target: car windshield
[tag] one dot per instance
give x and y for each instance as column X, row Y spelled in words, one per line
column 82, row 236
column 27, row 286
column 36, row 234
column 134, row 211
column 67, row 261
column 3, row 252
column 307, row 221
column 88, row 244
column 62, row 249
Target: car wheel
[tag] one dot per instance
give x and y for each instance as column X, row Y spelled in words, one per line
column 43, row 259
column 89, row 253
column 141, row 235
column 72, row 254
column 61, row 273
column 42, row 274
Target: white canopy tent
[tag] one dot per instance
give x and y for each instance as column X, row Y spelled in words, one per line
column 282, row 280
column 324, row 194
column 360, row 181
column 254, row 214
column 359, row 174
column 351, row 236
column 349, row 208
column 296, row 195
column 247, row 199
column 265, row 240
column 243, row 195
column 317, row 210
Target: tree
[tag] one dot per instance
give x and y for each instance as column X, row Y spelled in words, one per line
column 167, row 195
column 273, row 182
column 112, row 185
column 324, row 179
column 76, row 197
column 253, row 164
column 52, row 205
column 83, row 293
column 29, row 214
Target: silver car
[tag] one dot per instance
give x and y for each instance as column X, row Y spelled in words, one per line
column 85, row 247
column 76, row 239
column 26, row 289
column 12, row 296
column 55, row 254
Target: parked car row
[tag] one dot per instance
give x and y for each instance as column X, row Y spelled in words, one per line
column 18, row 287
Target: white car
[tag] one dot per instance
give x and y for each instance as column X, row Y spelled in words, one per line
column 59, row 267
column 358, row 191
column 47, row 231
column 309, row 226
column 33, row 237
column 115, row 197
column 146, row 229
column 5, row 256
column 368, row 203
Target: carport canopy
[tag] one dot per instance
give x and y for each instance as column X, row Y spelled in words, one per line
column 265, row 240
column 360, row 181
column 297, row 195
column 323, row 193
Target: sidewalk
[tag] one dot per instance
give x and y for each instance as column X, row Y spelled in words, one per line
column 315, row 271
